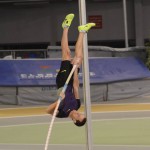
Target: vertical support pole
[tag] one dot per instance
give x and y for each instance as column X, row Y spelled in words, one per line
column 138, row 9
column 86, row 83
column 125, row 23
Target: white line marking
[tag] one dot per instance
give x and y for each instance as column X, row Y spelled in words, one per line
column 25, row 116
column 95, row 120
column 120, row 104
column 128, row 111
column 116, row 119
column 95, row 145
column 123, row 145
column 22, row 108
column 28, row 124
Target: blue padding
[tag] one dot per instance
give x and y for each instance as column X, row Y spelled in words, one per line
column 117, row 69
column 28, row 72
column 43, row 72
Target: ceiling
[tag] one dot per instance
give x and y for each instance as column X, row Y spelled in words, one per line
column 28, row 2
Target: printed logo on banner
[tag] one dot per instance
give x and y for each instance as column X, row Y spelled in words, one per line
column 24, row 76
column 92, row 74
column 44, row 69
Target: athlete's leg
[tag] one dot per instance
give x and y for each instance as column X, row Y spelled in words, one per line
column 66, row 54
column 79, row 55
column 79, row 44
column 64, row 45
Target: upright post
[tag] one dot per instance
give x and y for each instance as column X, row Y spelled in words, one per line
column 86, row 83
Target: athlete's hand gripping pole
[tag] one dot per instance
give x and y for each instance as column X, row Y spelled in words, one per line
column 56, row 108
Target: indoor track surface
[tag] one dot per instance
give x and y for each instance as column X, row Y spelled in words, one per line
column 26, row 129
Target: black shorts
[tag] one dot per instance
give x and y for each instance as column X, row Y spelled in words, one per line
column 63, row 74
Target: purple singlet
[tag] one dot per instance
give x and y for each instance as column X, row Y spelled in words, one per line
column 68, row 104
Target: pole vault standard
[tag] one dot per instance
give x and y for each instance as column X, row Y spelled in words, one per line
column 86, row 83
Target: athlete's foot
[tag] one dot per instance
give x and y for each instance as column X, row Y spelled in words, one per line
column 86, row 27
column 67, row 22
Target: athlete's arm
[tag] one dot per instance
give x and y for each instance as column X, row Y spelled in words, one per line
column 51, row 107
column 76, row 84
